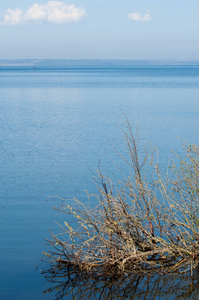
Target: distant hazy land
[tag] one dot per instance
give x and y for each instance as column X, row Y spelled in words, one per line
column 83, row 62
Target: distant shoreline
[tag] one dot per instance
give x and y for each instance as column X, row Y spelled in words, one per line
column 92, row 62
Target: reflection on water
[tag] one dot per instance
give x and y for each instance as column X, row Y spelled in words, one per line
column 131, row 286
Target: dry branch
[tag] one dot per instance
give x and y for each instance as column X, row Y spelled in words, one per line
column 142, row 226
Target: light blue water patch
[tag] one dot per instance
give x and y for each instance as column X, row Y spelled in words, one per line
column 55, row 127
column 101, row 76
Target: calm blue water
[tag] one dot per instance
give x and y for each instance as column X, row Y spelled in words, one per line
column 56, row 124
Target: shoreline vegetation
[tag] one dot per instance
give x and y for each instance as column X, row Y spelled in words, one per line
column 145, row 225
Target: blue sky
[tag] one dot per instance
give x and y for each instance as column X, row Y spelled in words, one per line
column 99, row 29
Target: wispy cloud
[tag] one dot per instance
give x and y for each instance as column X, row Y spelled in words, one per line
column 135, row 16
column 53, row 11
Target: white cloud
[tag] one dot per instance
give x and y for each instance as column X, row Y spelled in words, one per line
column 53, row 11
column 13, row 16
column 36, row 13
column 137, row 17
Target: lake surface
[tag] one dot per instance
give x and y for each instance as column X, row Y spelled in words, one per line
column 57, row 121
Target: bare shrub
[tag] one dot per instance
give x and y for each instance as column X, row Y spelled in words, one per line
column 146, row 224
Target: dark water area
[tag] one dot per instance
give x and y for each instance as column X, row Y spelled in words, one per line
column 130, row 286
column 57, row 122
